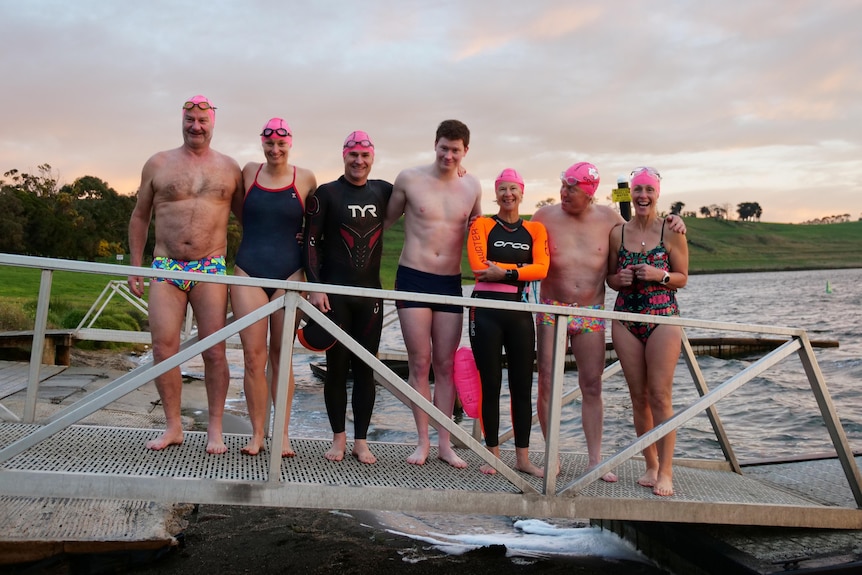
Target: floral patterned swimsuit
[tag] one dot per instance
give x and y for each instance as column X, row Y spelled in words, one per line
column 646, row 297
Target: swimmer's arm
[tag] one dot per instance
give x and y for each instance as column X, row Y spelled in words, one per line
column 678, row 255
column 676, row 224
column 397, row 201
column 139, row 224
column 477, row 246
column 614, row 278
column 541, row 255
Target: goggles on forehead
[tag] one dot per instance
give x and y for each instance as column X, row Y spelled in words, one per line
column 204, row 105
column 361, row 143
column 267, row 132
column 573, row 181
column 651, row 171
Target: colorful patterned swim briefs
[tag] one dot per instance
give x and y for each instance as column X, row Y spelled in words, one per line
column 214, row 265
column 576, row 324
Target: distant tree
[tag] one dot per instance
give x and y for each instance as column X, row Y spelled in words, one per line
column 42, row 184
column 676, row 208
column 546, row 202
column 105, row 215
column 691, row 214
column 749, row 211
column 12, row 222
column 707, row 213
column 81, row 220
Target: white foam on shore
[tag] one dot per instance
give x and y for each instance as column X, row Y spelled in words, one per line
column 522, row 538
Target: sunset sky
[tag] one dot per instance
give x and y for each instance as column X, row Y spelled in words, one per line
column 734, row 101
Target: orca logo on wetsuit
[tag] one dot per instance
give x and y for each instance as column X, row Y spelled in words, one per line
column 513, row 245
column 357, row 211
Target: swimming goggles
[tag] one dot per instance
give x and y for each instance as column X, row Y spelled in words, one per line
column 267, row 132
column 204, row 105
column 362, row 143
column 573, row 181
column 651, row 171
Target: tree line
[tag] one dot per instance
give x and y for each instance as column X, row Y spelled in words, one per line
column 85, row 220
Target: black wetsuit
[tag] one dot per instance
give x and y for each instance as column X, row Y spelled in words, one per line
column 343, row 245
column 271, row 219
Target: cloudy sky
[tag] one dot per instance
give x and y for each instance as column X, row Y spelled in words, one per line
column 733, row 101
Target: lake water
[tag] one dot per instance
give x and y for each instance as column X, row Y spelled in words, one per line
column 774, row 415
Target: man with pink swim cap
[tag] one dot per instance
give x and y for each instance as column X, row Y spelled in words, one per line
column 344, row 246
column 578, row 235
column 189, row 191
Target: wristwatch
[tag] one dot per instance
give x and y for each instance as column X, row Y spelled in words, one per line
column 512, row 275
column 666, row 279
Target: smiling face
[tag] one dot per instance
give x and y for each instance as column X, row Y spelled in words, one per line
column 449, row 154
column 645, row 199
column 509, row 195
column 275, row 149
column 197, row 127
column 357, row 165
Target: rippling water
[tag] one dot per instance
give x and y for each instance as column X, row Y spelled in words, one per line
column 774, row 415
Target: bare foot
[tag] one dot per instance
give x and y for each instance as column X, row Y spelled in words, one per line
column 649, row 478
column 286, row 449
column 215, row 445
column 447, row 454
column 253, row 447
column 524, row 465
column 608, row 477
column 663, row 486
column 419, row 456
column 339, row 444
column 165, row 440
column 362, row 452
column 488, row 470
column 529, row 467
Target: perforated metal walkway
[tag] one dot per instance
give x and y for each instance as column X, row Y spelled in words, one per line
column 117, row 466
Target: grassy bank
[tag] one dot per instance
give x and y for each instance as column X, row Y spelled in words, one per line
column 715, row 246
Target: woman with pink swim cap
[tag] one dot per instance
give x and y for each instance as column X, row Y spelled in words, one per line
column 271, row 212
column 506, row 252
column 647, row 263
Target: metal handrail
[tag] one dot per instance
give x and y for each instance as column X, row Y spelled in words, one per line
column 293, row 301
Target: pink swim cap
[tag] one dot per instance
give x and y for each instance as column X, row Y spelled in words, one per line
column 357, row 140
column 509, row 175
column 201, row 102
column 582, row 174
column 645, row 176
column 277, row 128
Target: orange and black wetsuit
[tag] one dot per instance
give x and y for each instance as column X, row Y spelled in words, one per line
column 523, row 248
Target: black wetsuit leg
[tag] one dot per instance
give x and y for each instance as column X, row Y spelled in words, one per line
column 491, row 331
column 486, row 339
column 362, row 318
column 518, row 339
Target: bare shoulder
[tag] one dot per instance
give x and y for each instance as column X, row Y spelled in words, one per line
column 226, row 161
column 250, row 169
column 305, row 180
column 407, row 177
column 472, row 182
column 608, row 213
column 541, row 215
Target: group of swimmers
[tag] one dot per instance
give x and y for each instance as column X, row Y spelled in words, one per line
column 332, row 234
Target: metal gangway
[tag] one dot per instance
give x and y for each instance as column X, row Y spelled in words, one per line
column 60, row 457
